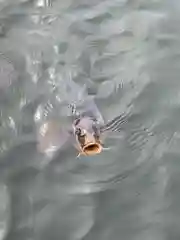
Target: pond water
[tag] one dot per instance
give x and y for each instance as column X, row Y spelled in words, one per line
column 126, row 53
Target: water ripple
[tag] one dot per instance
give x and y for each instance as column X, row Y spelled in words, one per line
column 125, row 54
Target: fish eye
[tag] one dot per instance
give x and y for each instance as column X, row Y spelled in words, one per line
column 78, row 131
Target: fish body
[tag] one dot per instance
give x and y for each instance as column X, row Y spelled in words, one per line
column 86, row 132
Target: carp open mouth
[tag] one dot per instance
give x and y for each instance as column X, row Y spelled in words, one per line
column 92, row 149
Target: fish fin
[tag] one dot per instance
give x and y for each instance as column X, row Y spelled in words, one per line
column 73, row 112
column 116, row 124
column 135, row 136
column 51, row 137
column 121, row 122
column 72, row 106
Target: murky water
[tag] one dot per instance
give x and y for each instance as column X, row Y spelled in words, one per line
column 127, row 55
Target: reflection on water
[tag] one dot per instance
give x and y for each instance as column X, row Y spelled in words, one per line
column 126, row 55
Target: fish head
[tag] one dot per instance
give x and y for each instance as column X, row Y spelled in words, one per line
column 87, row 135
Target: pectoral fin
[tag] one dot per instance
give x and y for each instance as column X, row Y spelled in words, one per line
column 51, row 137
column 115, row 124
column 135, row 135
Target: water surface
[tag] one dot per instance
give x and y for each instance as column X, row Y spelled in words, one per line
column 127, row 55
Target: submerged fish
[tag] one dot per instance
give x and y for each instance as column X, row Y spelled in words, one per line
column 86, row 132
column 87, row 129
